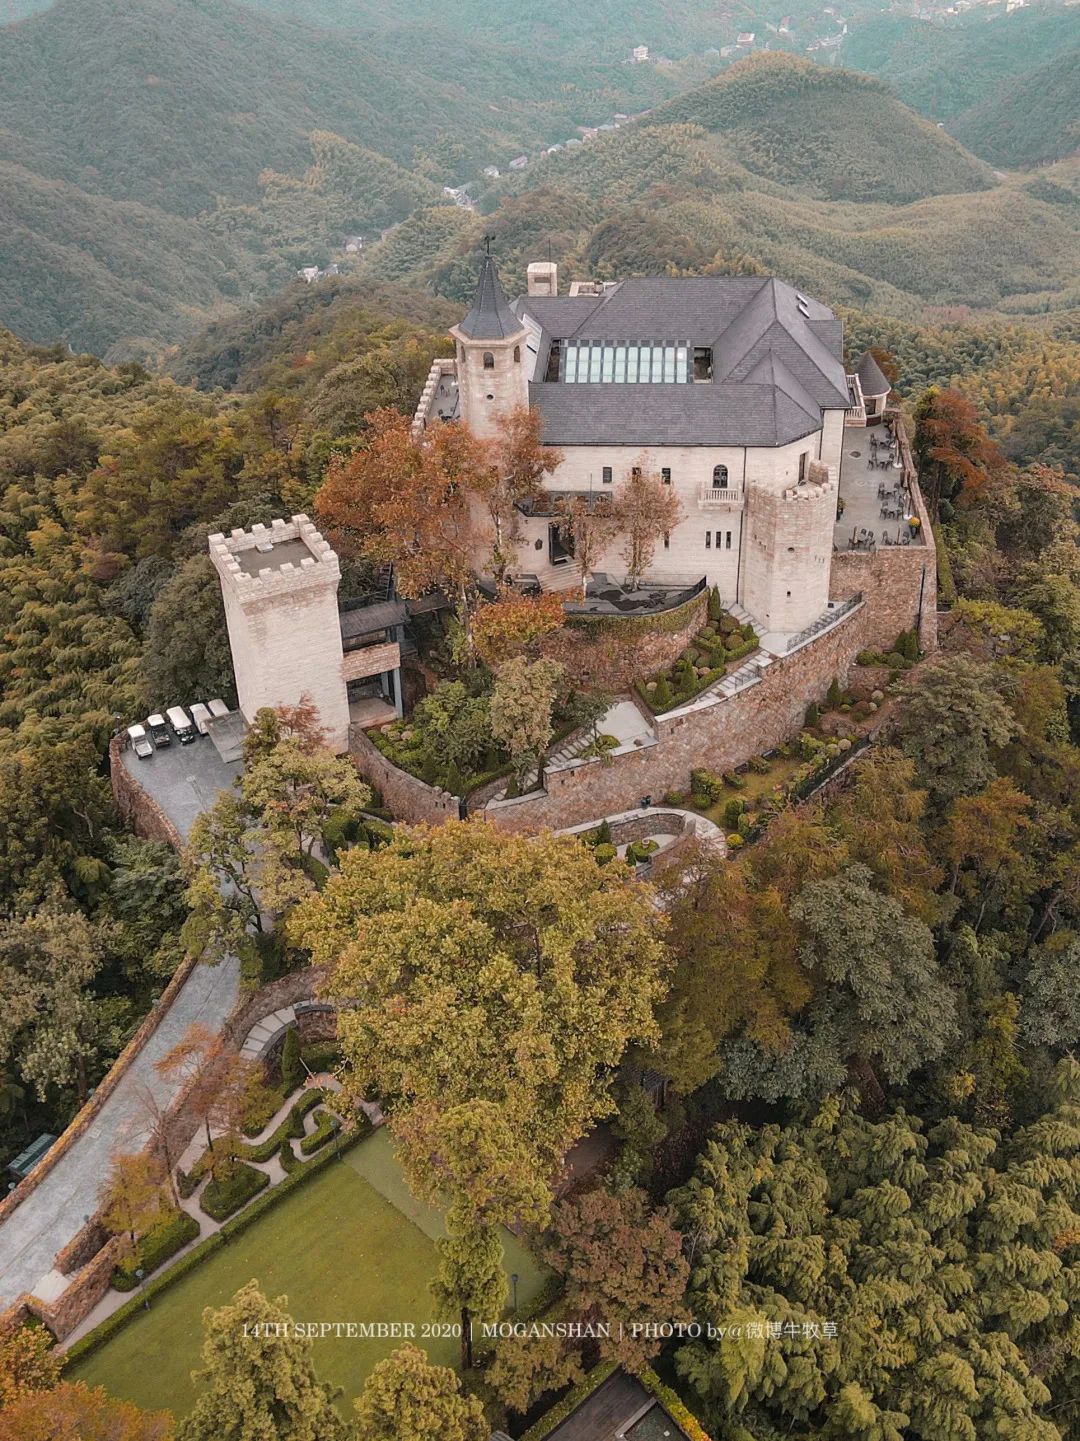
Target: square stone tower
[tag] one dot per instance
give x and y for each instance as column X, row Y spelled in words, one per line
column 789, row 550
column 279, row 584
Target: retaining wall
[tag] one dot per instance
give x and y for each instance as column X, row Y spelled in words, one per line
column 408, row 797
column 137, row 807
column 720, row 735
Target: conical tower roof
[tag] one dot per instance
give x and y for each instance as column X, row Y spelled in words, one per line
column 871, row 379
column 490, row 317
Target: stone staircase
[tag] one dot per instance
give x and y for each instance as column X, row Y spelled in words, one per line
column 559, row 577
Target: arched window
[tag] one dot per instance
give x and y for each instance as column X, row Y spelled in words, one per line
column 517, row 354
column 719, row 477
column 489, row 360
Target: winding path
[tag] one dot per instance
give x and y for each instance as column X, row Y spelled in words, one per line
column 184, row 781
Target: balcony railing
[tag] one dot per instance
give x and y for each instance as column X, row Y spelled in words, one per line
column 721, row 495
column 856, row 411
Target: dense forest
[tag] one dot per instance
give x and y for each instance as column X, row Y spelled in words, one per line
column 127, row 227
column 1005, row 87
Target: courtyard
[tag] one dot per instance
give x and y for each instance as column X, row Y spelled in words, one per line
column 351, row 1244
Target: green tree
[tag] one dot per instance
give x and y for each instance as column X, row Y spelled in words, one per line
column 480, row 966
column 950, row 720
column 1050, row 1006
column 521, row 707
column 406, row 1398
column 258, row 1378
column 187, row 643
column 51, row 1024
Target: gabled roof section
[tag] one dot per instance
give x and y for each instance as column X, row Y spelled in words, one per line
column 491, row 317
column 871, row 376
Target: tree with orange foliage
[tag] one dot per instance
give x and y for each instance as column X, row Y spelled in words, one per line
column 590, row 524
column 72, row 1412
column 517, row 462
column 405, row 502
column 513, row 623
column 28, row 1363
column 429, row 504
column 645, row 509
column 955, row 457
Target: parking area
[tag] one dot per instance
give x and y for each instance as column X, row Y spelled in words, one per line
column 184, row 780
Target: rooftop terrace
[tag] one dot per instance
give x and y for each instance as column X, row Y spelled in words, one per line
column 877, row 501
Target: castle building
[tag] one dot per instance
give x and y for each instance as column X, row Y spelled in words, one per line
column 732, row 390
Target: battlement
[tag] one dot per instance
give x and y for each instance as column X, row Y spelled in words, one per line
column 268, row 561
column 279, row 584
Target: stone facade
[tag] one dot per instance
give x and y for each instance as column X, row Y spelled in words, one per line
column 284, row 631
column 788, row 551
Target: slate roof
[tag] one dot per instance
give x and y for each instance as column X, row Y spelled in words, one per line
column 777, row 363
column 490, row 317
column 871, row 378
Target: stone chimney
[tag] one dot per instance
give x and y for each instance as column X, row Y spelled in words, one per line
column 543, row 277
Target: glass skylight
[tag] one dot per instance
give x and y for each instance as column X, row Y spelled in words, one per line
column 595, row 362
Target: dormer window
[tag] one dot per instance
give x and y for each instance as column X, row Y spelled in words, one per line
column 489, row 360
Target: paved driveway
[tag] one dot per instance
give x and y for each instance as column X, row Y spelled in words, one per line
column 184, row 780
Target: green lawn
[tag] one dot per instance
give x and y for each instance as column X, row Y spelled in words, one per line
column 351, row 1244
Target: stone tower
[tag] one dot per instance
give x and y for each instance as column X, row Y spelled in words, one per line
column 280, row 584
column 492, row 369
column 789, row 550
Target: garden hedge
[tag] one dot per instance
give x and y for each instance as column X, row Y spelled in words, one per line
column 673, row 1405
column 231, row 1188
column 570, row 1402
column 126, row 1313
column 154, row 1249
column 327, row 1125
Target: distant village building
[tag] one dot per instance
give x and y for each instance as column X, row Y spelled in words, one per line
column 354, row 244
column 519, row 162
column 639, row 55
column 745, row 40
column 492, row 172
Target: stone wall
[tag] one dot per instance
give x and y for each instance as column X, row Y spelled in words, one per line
column 718, row 734
column 410, row 798
column 139, row 809
column 898, row 583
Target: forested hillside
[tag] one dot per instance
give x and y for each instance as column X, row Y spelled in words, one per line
column 250, row 143
column 1006, row 87
column 738, row 174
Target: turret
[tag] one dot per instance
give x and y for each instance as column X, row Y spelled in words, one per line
column 492, row 369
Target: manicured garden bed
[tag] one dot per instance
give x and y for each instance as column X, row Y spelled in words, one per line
column 232, row 1187
column 720, row 644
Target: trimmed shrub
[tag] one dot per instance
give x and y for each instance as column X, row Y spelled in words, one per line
column 735, row 840
column 231, row 1188
column 155, row 1248
column 834, row 694
column 743, row 824
column 662, row 696
column 907, row 643
column 896, row 660
column 604, row 854
column 327, row 1126
column 733, row 809
column 813, row 716
column 675, row 798
column 759, row 765
column 734, row 781
column 700, row 801
column 638, row 852
column 292, row 1071
column 706, row 783
column 287, row 1157
column 716, row 607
